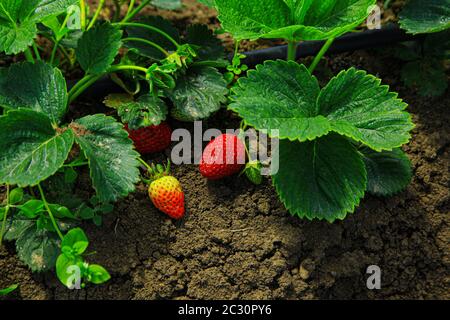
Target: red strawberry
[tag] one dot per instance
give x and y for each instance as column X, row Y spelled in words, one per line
column 222, row 157
column 151, row 139
column 167, row 195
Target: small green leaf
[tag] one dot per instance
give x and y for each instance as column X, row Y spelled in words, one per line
column 253, row 172
column 198, row 94
column 112, row 161
column 6, row 291
column 143, row 33
column 68, row 270
column 322, row 179
column 98, row 47
column 388, row 172
column 60, row 211
column 145, row 111
column 16, row 196
column 39, row 87
column 32, row 208
column 419, row 16
column 97, row 274
column 34, row 151
column 75, row 241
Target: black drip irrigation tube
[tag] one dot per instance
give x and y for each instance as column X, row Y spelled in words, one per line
column 388, row 35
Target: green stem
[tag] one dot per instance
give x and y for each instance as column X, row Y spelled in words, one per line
column 145, row 165
column 47, row 207
column 83, row 14
column 96, row 14
column 320, row 55
column 117, row 9
column 36, row 51
column 138, row 9
column 130, row 7
column 149, row 27
column 29, row 55
column 150, row 43
column 84, row 84
column 292, row 50
column 2, row 232
column 55, row 48
column 88, row 80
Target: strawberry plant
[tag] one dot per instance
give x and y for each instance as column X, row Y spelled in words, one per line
column 36, row 143
column 335, row 143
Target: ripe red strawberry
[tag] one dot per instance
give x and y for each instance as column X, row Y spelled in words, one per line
column 222, row 157
column 151, row 139
column 167, row 195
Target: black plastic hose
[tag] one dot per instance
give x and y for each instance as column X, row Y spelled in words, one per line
column 369, row 39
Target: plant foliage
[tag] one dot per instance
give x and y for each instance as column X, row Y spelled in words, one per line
column 321, row 172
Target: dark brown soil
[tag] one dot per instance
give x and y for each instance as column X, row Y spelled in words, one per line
column 238, row 241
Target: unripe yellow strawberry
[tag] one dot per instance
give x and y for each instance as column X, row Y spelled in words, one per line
column 168, row 196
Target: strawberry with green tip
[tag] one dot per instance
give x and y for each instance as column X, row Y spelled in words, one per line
column 166, row 192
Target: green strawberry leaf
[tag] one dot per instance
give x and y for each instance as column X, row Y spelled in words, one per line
column 112, row 161
column 358, row 106
column 66, row 269
column 39, row 87
column 198, row 94
column 97, row 274
column 98, row 47
column 210, row 47
column 38, row 249
column 18, row 21
column 167, row 4
column 388, row 172
column 291, row 19
column 323, row 179
column 75, row 242
column 17, row 38
column 419, row 16
column 47, row 8
column 281, row 95
column 32, row 150
column 143, row 33
column 145, row 111
column 428, row 75
column 284, row 96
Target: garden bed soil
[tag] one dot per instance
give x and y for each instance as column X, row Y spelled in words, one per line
column 238, row 241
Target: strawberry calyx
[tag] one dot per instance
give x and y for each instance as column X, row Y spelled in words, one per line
column 154, row 172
